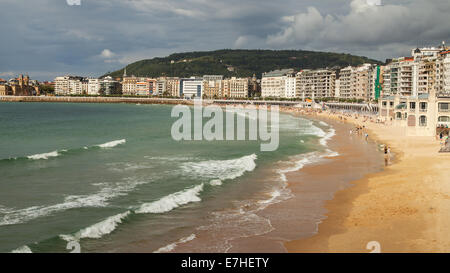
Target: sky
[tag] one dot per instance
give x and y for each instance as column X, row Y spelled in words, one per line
column 49, row 38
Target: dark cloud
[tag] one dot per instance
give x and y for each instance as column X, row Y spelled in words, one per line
column 48, row 37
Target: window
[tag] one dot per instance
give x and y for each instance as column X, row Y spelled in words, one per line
column 398, row 115
column 391, row 103
column 443, row 107
column 384, row 103
column 423, row 121
column 444, row 119
column 412, row 105
column 423, row 106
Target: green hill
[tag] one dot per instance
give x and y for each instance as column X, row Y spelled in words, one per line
column 240, row 63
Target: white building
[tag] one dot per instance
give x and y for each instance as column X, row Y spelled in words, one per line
column 192, row 87
column 290, row 86
column 273, row 84
column 62, row 85
column 337, row 88
column 93, row 87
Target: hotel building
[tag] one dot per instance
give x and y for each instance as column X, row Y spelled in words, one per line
column 273, row 84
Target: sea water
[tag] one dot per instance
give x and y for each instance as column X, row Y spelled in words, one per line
column 111, row 178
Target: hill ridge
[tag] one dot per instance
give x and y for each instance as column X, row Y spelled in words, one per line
column 238, row 62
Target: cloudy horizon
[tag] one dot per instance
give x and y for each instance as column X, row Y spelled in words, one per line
column 46, row 38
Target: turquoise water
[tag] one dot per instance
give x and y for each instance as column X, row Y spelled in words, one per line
column 110, row 177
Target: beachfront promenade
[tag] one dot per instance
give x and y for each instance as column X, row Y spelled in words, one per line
column 354, row 107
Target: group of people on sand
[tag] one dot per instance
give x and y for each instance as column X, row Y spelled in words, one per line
column 360, row 130
column 443, row 139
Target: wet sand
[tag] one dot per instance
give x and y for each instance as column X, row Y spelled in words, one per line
column 311, row 188
column 405, row 207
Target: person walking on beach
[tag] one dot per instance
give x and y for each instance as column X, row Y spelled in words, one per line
column 386, row 155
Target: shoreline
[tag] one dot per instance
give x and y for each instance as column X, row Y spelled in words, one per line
column 404, row 207
column 310, row 188
column 131, row 100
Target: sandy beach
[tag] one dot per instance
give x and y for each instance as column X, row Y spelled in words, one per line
column 404, row 208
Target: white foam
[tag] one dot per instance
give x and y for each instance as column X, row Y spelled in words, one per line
column 44, row 155
column 125, row 166
column 274, row 196
column 22, row 249
column 300, row 161
column 98, row 230
column 309, row 128
column 112, row 144
column 324, row 141
column 99, row 199
column 172, row 201
column 220, row 169
column 172, row 246
column 216, row 182
column 298, row 164
column 331, row 153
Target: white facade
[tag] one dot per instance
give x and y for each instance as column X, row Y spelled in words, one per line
column 192, row 88
column 273, row 84
column 272, row 87
column 93, row 87
column 290, row 86
column 75, row 87
column 337, row 88
column 62, row 85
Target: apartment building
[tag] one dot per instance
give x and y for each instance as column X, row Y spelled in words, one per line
column 316, row 83
column 386, row 80
column 345, row 82
column 443, row 73
column 109, row 86
column 93, row 87
column 173, row 87
column 213, row 88
column 236, row 87
column 129, row 86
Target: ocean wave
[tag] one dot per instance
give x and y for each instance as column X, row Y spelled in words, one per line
column 228, row 225
column 112, row 144
column 57, row 153
column 324, row 124
column 170, row 159
column 98, row 230
column 163, row 205
column 309, row 128
column 99, row 199
column 171, row 247
column 216, row 182
column 44, row 155
column 324, row 140
column 172, row 201
column 125, row 166
column 222, row 170
column 22, row 249
column 298, row 162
